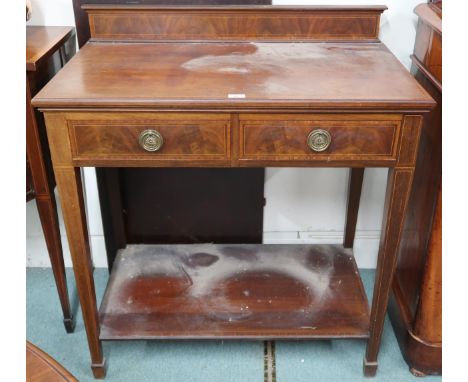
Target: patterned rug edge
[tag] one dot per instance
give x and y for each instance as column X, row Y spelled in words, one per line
column 269, row 361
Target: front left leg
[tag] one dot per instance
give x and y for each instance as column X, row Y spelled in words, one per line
column 70, row 188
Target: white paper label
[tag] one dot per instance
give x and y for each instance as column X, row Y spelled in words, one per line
column 238, row 95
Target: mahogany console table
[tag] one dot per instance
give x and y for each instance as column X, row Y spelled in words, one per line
column 234, row 87
column 48, row 49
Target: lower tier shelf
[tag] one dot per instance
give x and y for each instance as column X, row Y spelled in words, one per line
column 234, row 291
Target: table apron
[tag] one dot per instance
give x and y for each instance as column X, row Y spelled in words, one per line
column 149, row 163
column 103, row 139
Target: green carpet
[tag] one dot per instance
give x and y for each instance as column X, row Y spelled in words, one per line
column 202, row 361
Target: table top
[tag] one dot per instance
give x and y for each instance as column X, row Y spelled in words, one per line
column 234, row 75
column 42, row 41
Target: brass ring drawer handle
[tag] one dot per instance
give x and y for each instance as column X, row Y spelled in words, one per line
column 151, row 140
column 319, row 140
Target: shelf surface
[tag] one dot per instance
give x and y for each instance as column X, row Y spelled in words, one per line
column 234, row 291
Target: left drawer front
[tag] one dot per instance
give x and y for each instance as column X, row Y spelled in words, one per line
column 185, row 140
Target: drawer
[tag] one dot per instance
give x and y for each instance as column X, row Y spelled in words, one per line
column 156, row 137
column 315, row 137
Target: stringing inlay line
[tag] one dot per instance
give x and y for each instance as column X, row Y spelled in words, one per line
column 269, row 359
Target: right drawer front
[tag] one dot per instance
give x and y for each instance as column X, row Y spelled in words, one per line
column 286, row 138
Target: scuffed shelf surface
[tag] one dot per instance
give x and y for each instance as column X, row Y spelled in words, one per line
column 234, row 291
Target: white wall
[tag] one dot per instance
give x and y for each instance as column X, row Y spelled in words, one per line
column 303, row 205
column 52, row 12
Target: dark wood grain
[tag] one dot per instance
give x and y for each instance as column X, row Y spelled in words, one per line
column 29, row 182
column 234, row 291
column 202, row 75
column 47, row 50
column 429, row 315
column 223, row 205
column 112, row 210
column 198, row 140
column 234, row 23
column 411, row 132
column 69, row 183
column 192, row 137
column 41, row 367
column 356, row 177
column 398, row 187
column 71, row 190
column 351, row 82
column 416, row 306
column 81, row 17
column 285, row 137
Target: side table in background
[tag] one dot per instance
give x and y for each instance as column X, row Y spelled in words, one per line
column 48, row 49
